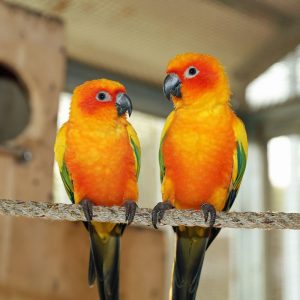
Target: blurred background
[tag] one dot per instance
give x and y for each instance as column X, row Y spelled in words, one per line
column 49, row 47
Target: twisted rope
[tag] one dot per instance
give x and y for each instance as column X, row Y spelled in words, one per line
column 73, row 212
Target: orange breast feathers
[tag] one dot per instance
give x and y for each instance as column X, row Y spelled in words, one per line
column 198, row 157
column 100, row 161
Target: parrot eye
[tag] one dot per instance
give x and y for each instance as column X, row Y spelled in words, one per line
column 191, row 72
column 103, row 96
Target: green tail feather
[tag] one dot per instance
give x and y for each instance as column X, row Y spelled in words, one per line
column 92, row 270
column 104, row 265
column 190, row 251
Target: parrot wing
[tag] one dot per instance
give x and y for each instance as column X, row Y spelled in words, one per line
column 136, row 147
column 239, row 162
column 59, row 150
column 239, row 166
column 163, row 135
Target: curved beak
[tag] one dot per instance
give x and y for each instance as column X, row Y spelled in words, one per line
column 123, row 104
column 172, row 86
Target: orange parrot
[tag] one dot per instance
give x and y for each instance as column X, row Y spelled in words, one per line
column 202, row 157
column 98, row 154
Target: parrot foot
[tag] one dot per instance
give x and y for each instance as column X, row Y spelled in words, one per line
column 130, row 209
column 87, row 207
column 209, row 210
column 159, row 211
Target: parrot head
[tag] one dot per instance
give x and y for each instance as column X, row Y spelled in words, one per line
column 196, row 79
column 100, row 96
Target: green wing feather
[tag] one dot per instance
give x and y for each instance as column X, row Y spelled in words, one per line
column 239, row 162
column 136, row 147
column 68, row 184
column 235, row 185
column 242, row 159
column 137, row 154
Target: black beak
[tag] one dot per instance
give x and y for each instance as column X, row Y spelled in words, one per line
column 172, row 86
column 123, row 104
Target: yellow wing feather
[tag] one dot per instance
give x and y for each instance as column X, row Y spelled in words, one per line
column 163, row 134
column 60, row 145
column 167, row 125
column 59, row 150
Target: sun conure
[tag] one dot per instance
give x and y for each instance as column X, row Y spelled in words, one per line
column 98, row 154
column 202, row 158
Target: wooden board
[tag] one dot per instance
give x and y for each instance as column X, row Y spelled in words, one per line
column 32, row 47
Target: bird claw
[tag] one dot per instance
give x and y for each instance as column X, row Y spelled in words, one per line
column 209, row 210
column 158, row 212
column 130, row 209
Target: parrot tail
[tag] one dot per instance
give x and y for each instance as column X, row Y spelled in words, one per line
column 190, row 250
column 104, row 263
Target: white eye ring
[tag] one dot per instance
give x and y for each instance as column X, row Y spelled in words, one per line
column 103, row 96
column 191, row 72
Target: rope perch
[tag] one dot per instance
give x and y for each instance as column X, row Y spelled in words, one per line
column 173, row 217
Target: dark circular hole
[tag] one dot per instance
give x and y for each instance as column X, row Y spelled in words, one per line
column 14, row 104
